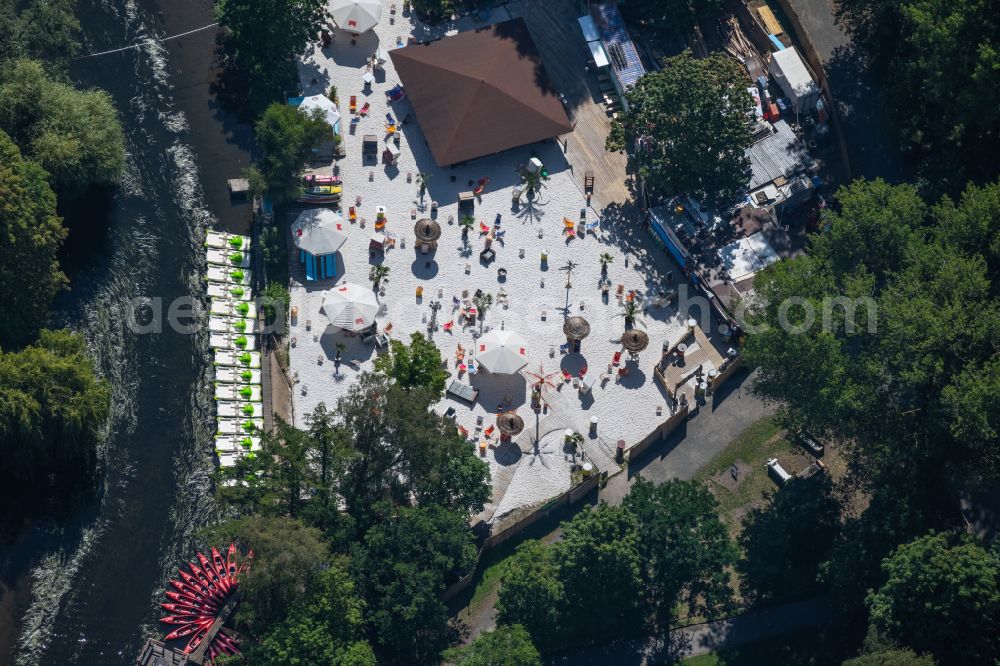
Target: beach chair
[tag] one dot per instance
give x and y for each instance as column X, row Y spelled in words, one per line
column 496, row 222
column 461, row 368
column 352, row 214
column 463, row 431
column 583, row 372
column 447, row 326
column 568, row 223
column 488, row 433
column 354, row 103
column 564, row 348
column 387, row 329
column 570, row 234
column 365, row 109
column 630, row 296
column 460, row 353
column 390, row 130
column 499, row 234
column 483, row 229
column 566, row 375
column 617, row 358
column 472, row 368
column 619, row 291
column 483, row 182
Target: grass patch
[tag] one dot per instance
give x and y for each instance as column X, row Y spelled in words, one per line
column 749, row 452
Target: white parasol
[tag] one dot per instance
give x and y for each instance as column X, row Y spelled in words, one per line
column 350, row 306
column 502, row 352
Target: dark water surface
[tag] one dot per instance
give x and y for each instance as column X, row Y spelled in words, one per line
column 86, row 591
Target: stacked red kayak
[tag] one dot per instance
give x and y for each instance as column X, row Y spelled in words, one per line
column 197, row 598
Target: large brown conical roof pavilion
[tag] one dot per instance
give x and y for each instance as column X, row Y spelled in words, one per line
column 480, row 92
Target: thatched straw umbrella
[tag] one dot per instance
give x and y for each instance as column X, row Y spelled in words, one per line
column 427, row 231
column 510, row 424
column 576, row 328
column 634, row 340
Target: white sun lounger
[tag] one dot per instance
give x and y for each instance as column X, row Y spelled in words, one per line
column 225, row 391
column 224, row 291
column 235, row 444
column 221, row 257
column 225, row 275
column 229, row 357
column 230, row 375
column 222, row 306
column 228, row 341
column 217, row 239
column 235, row 426
column 233, row 409
column 220, row 324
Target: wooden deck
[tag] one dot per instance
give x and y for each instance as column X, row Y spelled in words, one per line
column 554, row 28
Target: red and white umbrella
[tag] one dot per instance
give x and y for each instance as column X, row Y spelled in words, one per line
column 350, row 306
column 356, row 16
column 502, row 352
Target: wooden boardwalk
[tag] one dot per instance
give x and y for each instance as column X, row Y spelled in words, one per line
column 554, row 28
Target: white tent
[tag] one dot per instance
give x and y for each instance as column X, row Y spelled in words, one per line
column 502, row 352
column 319, row 231
column 323, row 103
column 794, row 79
column 356, row 16
column 350, row 306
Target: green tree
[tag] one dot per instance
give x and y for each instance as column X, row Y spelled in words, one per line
column 288, row 557
column 323, row 628
column 941, row 596
column 74, row 135
column 685, row 547
column 786, row 540
column 510, row 646
column 891, row 658
column 263, row 38
column 686, row 128
column 945, row 105
column 42, row 29
column 403, row 449
column 52, row 411
column 532, row 593
column 286, row 137
column 31, row 236
column 415, row 366
column 599, row 553
column 401, row 567
column 433, row 10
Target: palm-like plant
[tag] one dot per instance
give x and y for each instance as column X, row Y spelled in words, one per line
column 340, row 349
column 422, row 179
column 605, row 259
column 569, row 267
column 466, row 222
column 632, row 314
column 483, row 303
column 533, row 180
column 378, row 274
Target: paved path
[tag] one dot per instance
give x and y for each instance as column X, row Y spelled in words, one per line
column 695, row 443
column 704, row 638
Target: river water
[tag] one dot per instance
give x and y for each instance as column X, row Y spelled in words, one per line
column 86, row 592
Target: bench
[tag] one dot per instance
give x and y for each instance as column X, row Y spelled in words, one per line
column 463, row 391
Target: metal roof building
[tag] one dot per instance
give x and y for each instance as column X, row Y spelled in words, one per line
column 625, row 62
column 780, row 154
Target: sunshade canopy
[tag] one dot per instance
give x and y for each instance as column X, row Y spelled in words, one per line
column 576, row 328
column 502, row 352
column 510, row 423
column 635, row 340
column 350, row 306
column 427, row 230
column 319, row 231
column 356, row 16
column 480, row 92
column 323, row 103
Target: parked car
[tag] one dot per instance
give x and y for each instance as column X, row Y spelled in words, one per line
column 810, row 443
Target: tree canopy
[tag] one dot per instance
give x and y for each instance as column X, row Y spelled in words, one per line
column 52, row 411
column 685, row 547
column 510, row 646
column 875, row 334
column 672, row 16
column 415, row 366
column 286, row 137
column 74, row 135
column 687, row 129
column 401, row 567
column 263, row 37
column 945, row 103
column 29, row 244
column 941, row 596
column 532, row 593
column 41, row 29
column 891, row 658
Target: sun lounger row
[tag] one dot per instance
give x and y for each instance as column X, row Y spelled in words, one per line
column 223, row 291
column 221, row 240
column 223, row 257
column 233, row 409
column 229, row 275
column 228, row 357
column 248, row 392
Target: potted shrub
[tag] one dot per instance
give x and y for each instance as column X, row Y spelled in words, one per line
column 237, row 276
column 245, row 358
column 247, row 411
column 246, row 392
column 237, row 292
column 378, row 274
column 236, row 258
column 466, row 222
column 241, row 325
column 240, row 341
column 246, row 375
column 236, row 243
column 605, row 259
column 243, row 309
